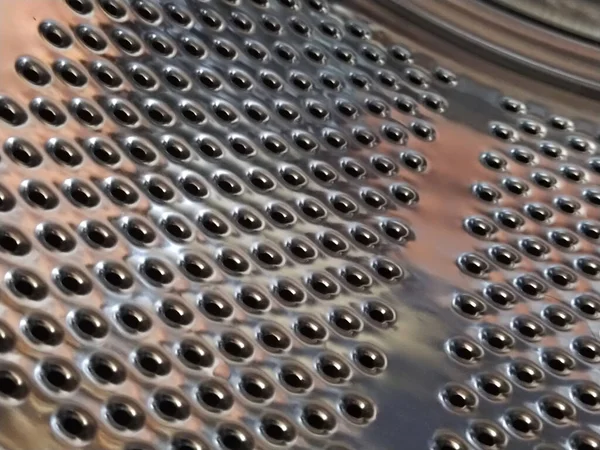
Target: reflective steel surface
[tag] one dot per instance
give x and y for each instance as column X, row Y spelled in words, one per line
column 260, row 224
column 578, row 17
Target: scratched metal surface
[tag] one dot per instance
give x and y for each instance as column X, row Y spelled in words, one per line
column 240, row 224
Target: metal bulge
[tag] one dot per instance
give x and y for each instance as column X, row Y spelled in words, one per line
column 260, row 224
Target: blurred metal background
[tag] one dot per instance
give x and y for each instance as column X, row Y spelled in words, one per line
column 261, row 224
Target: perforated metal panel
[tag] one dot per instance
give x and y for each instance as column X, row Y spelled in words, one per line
column 260, row 224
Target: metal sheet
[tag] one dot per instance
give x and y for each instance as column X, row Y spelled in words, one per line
column 265, row 224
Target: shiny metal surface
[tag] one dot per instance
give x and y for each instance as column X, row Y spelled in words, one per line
column 578, row 17
column 266, row 224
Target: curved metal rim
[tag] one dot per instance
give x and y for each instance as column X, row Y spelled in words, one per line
column 508, row 40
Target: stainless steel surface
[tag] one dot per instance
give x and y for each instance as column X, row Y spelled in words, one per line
column 265, row 224
column 578, row 17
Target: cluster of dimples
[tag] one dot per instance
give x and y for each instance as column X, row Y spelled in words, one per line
column 197, row 209
column 535, row 315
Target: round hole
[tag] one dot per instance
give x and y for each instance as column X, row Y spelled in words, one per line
column 253, row 300
column 184, row 441
column 214, row 396
column 192, row 113
column 175, row 313
column 318, row 419
column 103, row 153
column 256, row 387
column 7, row 338
column 138, row 231
column 523, row 423
column 7, row 201
column 56, row 238
column 39, row 195
column 26, row 285
column 487, row 435
column 55, row 35
column 75, row 424
column 156, row 272
column 64, row 153
column 357, row 409
column 176, row 228
column 178, row 14
column 333, row 242
column 557, row 410
column 558, row 361
column 274, row 339
column 89, row 324
column 170, row 405
column 11, row 113
column 133, row 319
column 215, row 306
column 323, row 285
column 235, row 347
column 48, row 112
column 493, row 386
column 528, row 328
column 526, row 374
column 370, row 359
column 459, row 398
column 13, row 385
column 106, row 369
column 295, row 378
column 277, row 429
column 582, row 440
column 588, row 305
column 22, row 152
column 41, row 329
column 448, row 442
column 92, row 38
column 195, row 267
column 233, row 261
column 115, row 277
column 289, row 293
column 333, row 368
column 124, row 414
column 151, row 362
column 80, row 6
column 13, row 242
column 232, row 437
column 345, row 322
column 195, row 355
column 310, row 331
column 193, row 187
column 465, row 351
column 120, row 192
column 497, row 339
column 469, row 306
column 588, row 395
column 380, row 314
column 98, row 235
column 72, row 281
column 588, row 348
column 281, row 215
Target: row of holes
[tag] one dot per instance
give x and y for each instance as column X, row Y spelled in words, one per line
column 126, row 115
column 560, row 276
column 60, row 377
column 117, row 278
column 57, row 238
column 159, row 190
column 35, row 72
column 25, row 284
